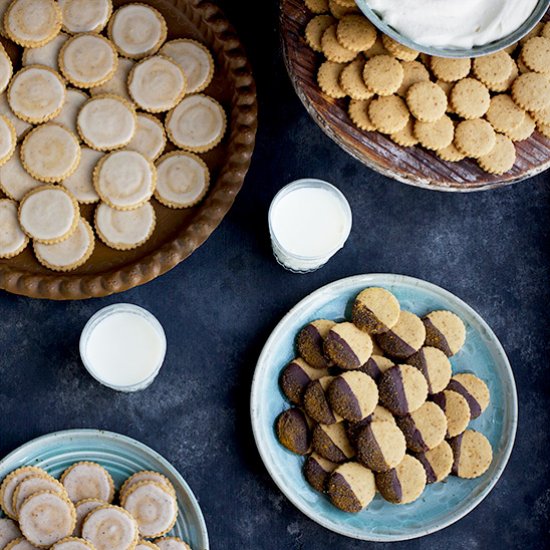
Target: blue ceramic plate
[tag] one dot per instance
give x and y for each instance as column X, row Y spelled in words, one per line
column 442, row 503
column 122, row 456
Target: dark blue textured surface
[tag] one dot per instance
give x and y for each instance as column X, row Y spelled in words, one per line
column 218, row 307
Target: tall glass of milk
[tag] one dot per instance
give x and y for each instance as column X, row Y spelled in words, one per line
column 123, row 347
column 309, row 221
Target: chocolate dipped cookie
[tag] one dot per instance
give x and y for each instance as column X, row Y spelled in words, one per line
column 404, row 483
column 405, row 338
column 293, row 431
column 347, row 346
column 402, row 389
column 445, row 331
column 296, row 376
column 473, row 389
column 425, row 428
column 310, row 343
column 316, row 402
column 351, row 487
column 332, row 443
column 375, row 310
column 437, row 462
column 353, row 395
column 380, row 446
column 434, row 365
column 317, row 470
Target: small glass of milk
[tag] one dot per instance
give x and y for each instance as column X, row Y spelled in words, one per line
column 309, row 221
column 123, row 346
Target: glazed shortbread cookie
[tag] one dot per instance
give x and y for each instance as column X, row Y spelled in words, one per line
column 351, row 487
column 437, row 462
column 146, row 545
column 347, row 346
column 20, row 544
column 8, row 139
column 10, row 483
column 380, row 446
column 157, row 84
column 146, row 475
column 12, row 239
column 6, row 69
column 46, row 55
column 172, row 543
column 125, row 229
column 32, row 23
column 197, row 124
column 118, row 83
column 35, row 484
column 80, row 183
column 8, row 531
column 404, row 483
column 295, row 378
column 402, row 389
column 110, row 528
column 353, row 395
column 293, row 431
column 405, row 337
column 85, row 15
column 182, row 179
column 72, row 543
column 150, row 137
column 375, row 310
column 310, row 343
column 15, row 181
column 21, row 127
column 445, row 331
column 137, row 30
column 82, row 509
column 332, row 443
column 317, row 471
column 48, row 214
column 84, row 480
column 74, row 100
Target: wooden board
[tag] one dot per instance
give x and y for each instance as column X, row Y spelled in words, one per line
column 414, row 166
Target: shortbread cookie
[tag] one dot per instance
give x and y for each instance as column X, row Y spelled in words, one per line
column 50, row 153
column 316, row 404
column 295, row 378
column 339, row 10
column 80, row 183
column 542, row 117
column 531, row 91
column 402, row 389
column 435, row 367
column 353, row 395
column 389, row 114
column 10, row 483
column 146, row 475
column 293, row 432
column 437, row 462
column 150, row 137
column 82, row 509
column 146, row 545
column 333, row 50
column 437, row 135
column 87, row 60
column 20, row 544
column 15, row 181
column 450, row 153
column 72, row 543
column 182, row 179
column 317, row 471
column 74, row 100
column 111, row 528
column 85, row 15
column 404, row 338
column 197, row 124
column 3, row 7
column 347, row 346
column 399, row 50
column 351, row 487
column 425, row 428
column 377, row 49
column 46, row 55
column 359, row 115
column 494, row 69
column 375, row 310
column 8, row 139
column 48, row 214
column 46, row 517
column 9, row 531
column 376, row 365
column 32, row 23
column 36, row 94
column 315, row 30
column 12, row 239
column 194, row 59
column 332, row 443
column 450, row 69
column 427, row 101
column 84, row 480
column 21, row 127
column 473, row 389
column 118, row 83
column 329, row 78
column 413, row 72
column 544, row 129
column 356, row 33
column 310, row 341
column 470, row 98
column 380, row 446
column 317, row 6
column 404, row 483
column 502, row 157
column 472, row 454
column 536, row 54
column 6, row 69
column 137, row 30
column 171, row 543
column 125, row 229
column 380, row 414
column 456, row 409
column 351, row 80
column 107, row 122
column 524, row 130
column 125, row 179
column 406, row 136
column 475, row 138
column 445, row 331
column 503, row 114
column 383, row 74
column 35, row 484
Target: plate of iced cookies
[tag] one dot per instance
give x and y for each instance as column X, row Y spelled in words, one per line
column 452, row 124
column 384, row 407
column 94, row 490
column 126, row 130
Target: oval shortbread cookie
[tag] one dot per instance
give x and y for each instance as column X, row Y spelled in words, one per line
column 85, row 15
column 150, row 137
column 84, row 480
column 12, row 238
column 32, row 23
column 110, row 528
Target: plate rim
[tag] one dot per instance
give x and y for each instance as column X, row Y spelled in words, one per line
column 382, row 278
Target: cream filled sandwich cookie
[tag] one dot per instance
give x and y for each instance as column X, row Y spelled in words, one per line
column 85, row 15
column 137, row 30
column 111, row 528
column 70, row 253
column 125, row 229
column 195, row 61
column 118, row 83
column 80, row 183
column 49, row 214
column 12, row 239
column 15, row 181
column 88, row 480
column 87, row 60
column 50, row 153
column 74, row 100
column 45, row 55
column 172, row 543
column 6, row 69
column 150, row 137
column 146, row 475
column 125, row 179
column 72, row 543
column 36, row 93
column 107, row 122
column 21, row 127
column 32, row 23
column 182, row 179
column 197, row 124
column 8, row 140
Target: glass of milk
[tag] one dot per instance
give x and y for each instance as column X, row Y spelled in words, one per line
column 309, row 221
column 123, row 347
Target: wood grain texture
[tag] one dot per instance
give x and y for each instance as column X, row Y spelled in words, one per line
column 414, row 166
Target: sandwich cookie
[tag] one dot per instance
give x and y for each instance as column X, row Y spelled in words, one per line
column 353, row 395
column 20, row 543
column 82, row 509
column 402, row 389
column 118, row 83
column 293, row 432
column 146, row 475
column 456, row 409
column 405, row 338
column 10, row 483
column 332, row 443
column 445, row 331
column 35, row 484
column 182, row 179
column 21, row 127
column 348, row 346
column 295, row 378
column 72, row 543
column 434, row 365
column 6, row 69
column 85, row 15
column 111, row 528
column 197, row 124
column 437, row 462
column 404, row 483
column 375, row 310
column 351, row 487
column 8, row 139
column 32, row 23
column 317, row 471
column 150, row 137
column 80, row 183
column 425, row 428
column 171, row 543
column 380, row 446
column 310, row 343
column 8, row 531
column 380, row 414
column 316, row 402
column 472, row 454
column 85, row 480
column 46, row 55
column 74, row 100
column 376, row 366
column 473, row 389
column 125, row 229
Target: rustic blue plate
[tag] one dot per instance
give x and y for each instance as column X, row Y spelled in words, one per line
column 122, row 456
column 441, row 504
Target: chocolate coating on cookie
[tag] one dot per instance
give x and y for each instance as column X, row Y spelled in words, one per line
column 473, row 389
column 472, row 454
column 351, row 487
column 445, row 331
column 316, row 402
column 434, row 365
column 375, row 310
column 425, row 428
column 347, row 346
column 437, row 462
column 380, row 446
column 402, row 389
column 296, row 376
column 310, row 343
column 332, row 442
column 456, row 409
column 380, row 414
column 405, row 338
column 376, row 366
column 353, row 395
column 317, row 471
column 404, row 483
column 293, row 431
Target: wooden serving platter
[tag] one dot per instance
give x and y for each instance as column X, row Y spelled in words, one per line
column 414, row 166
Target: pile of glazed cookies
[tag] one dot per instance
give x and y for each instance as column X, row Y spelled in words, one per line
column 376, row 405
column 76, row 512
column 83, row 122
column 458, row 108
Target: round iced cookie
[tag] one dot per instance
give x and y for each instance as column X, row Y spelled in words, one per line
column 472, row 454
column 124, row 180
column 146, row 475
column 10, row 483
column 376, row 365
column 402, row 389
column 9, row 531
column 85, row 15
column 153, row 506
column 35, row 484
column 20, row 544
column 46, row 55
column 380, row 446
column 424, row 428
column 171, row 543
column 194, row 59
column 404, row 483
column 46, row 517
column 74, row 100
column 87, row 60
column 137, row 30
column 437, row 462
column 111, row 528
column 293, row 431
column 445, row 331
column 317, row 471
column 36, row 94
column 434, row 365
column 6, row 69
column 351, row 487
column 48, row 214
column 375, row 310
column 405, row 338
column 473, row 389
column 72, row 543
column 118, row 83
column 146, row 545
column 82, row 509
column 353, row 395
column 125, row 229
column 8, row 139
column 197, row 124
column 70, row 253
column 332, row 443
column 84, row 480
column 32, row 23
column 182, row 179
column 456, row 409
column 107, row 122
column 80, row 183
column 348, row 346
column 316, row 404
column 150, row 137
column 295, row 378
column 310, row 343
column 21, row 127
